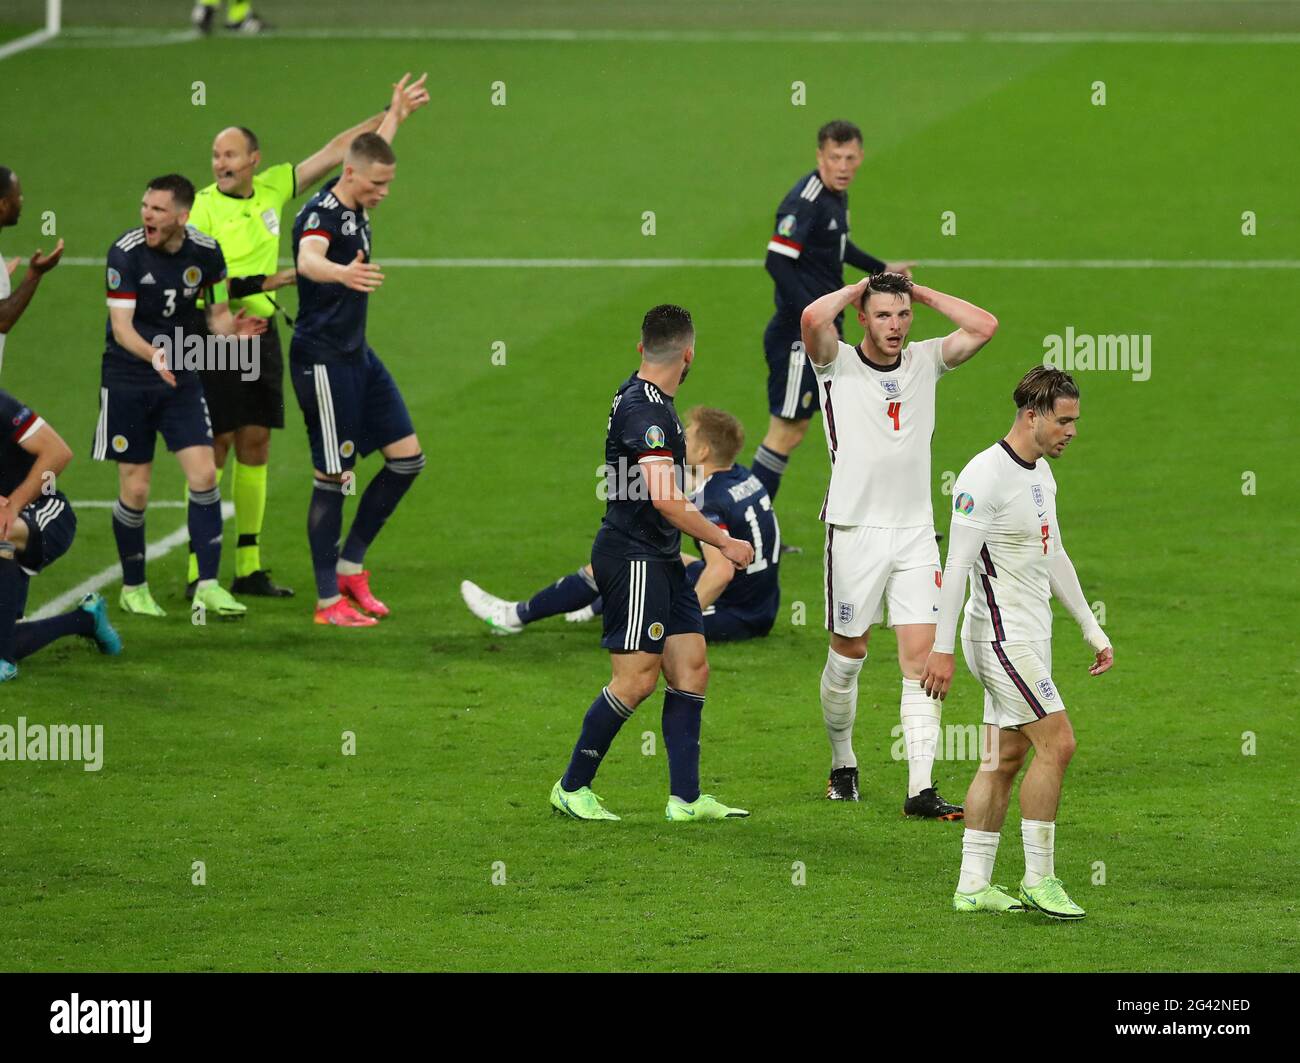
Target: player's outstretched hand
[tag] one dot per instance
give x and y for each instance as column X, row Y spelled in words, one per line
column 738, row 552
column 282, row 279
column 1105, row 659
column 905, row 268
column 249, row 326
column 938, row 675
column 43, row 263
column 362, row 276
column 408, row 97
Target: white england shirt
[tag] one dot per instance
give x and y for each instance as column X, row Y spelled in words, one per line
column 878, row 423
column 1012, row 505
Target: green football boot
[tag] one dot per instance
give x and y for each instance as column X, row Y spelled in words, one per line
column 706, row 806
column 1050, row 898
column 139, row 601
column 989, row 899
column 217, row 601
column 581, row 804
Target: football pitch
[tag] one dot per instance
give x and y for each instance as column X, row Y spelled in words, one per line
column 1166, row 211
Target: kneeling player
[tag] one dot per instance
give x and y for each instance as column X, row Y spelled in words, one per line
column 36, row 528
column 737, row 603
column 1006, row 536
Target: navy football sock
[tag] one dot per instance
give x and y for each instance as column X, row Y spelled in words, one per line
column 11, row 578
column 205, row 530
column 378, row 502
column 606, row 715
column 128, row 530
column 598, row 606
column 681, row 722
column 769, row 467
column 324, row 525
column 33, row 635
column 563, row 596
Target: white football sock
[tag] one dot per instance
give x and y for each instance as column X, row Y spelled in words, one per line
column 840, row 706
column 979, row 848
column 1040, row 850
column 347, row 568
column 920, row 715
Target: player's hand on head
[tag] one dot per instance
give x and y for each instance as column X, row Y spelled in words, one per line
column 936, row 681
column 1105, row 660
column 362, row 276
column 43, row 263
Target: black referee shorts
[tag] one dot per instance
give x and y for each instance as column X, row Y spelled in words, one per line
column 236, row 403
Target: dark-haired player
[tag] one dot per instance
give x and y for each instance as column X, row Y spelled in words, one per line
column 736, row 603
column 878, row 405
column 652, row 618
column 1006, row 538
column 805, row 259
column 349, row 400
column 156, row 273
column 13, row 303
column 241, row 210
column 37, row 526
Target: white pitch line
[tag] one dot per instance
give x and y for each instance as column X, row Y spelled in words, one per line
column 21, row 44
column 757, row 263
column 105, row 576
column 103, row 503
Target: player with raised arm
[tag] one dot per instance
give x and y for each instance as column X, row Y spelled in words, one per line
column 878, row 403
column 13, row 303
column 1006, row 538
column 37, row 526
column 156, row 273
column 241, row 210
column 652, row 618
column 736, row 603
column 349, row 400
column 805, row 259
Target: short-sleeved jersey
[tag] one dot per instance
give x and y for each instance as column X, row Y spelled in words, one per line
column 736, row 501
column 1012, row 504
column 247, row 228
column 812, row 227
column 17, row 422
column 878, row 422
column 4, row 294
column 331, row 317
column 162, row 289
column 643, row 423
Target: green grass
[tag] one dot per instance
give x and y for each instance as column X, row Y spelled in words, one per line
column 223, row 743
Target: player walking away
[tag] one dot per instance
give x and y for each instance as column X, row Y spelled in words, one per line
column 879, row 403
column 13, row 303
column 805, row 258
column 37, row 526
column 349, row 400
column 241, row 210
column 1006, row 537
column 239, row 17
column 736, row 604
column 652, row 617
column 155, row 275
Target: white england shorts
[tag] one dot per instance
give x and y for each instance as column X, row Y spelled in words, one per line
column 1017, row 681
column 866, row 568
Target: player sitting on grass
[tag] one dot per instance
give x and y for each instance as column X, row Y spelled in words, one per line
column 737, row 603
column 1006, row 537
column 36, row 528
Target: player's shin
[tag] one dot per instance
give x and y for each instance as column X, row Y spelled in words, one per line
column 35, row 635
column 920, row 715
column 563, row 596
column 839, row 694
column 1039, row 837
column 205, row 531
column 11, row 589
column 599, row 727
column 683, row 712
column 324, row 526
column 979, row 850
column 769, row 466
column 128, row 531
column 380, row 498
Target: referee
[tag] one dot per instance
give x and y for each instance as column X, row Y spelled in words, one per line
column 241, row 208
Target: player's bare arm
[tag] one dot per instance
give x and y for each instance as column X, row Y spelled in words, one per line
column 317, row 165
column 12, row 307
column 52, row 456
column 407, row 98
column 718, row 572
column 685, row 516
column 817, row 322
column 120, row 317
column 975, row 327
column 359, row 275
